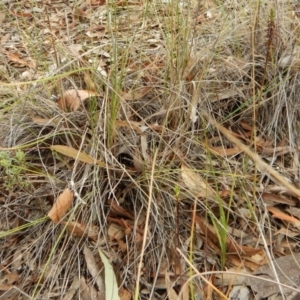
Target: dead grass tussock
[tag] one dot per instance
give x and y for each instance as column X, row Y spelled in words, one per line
column 158, row 69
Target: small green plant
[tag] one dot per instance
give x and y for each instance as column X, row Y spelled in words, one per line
column 14, row 169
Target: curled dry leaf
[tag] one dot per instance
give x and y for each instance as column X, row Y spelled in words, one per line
column 72, row 99
column 195, row 183
column 61, row 205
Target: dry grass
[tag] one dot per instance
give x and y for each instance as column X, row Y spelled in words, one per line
column 162, row 71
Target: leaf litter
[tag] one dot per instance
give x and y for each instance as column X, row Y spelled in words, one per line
column 176, row 89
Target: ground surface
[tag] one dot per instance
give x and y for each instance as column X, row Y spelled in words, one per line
column 163, row 135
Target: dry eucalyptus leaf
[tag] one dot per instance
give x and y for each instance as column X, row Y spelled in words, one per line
column 224, row 151
column 276, row 213
column 76, row 154
column 45, row 122
column 135, row 95
column 72, row 99
column 287, row 269
column 195, row 183
column 72, row 289
column 239, row 292
column 115, row 231
column 94, row 270
column 81, row 230
column 172, row 295
column 88, row 292
column 61, row 206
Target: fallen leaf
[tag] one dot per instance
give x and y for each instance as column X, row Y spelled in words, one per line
column 21, row 14
column 231, row 246
column 115, row 231
column 2, row 17
column 61, row 205
column 124, row 294
column 134, row 95
column 77, row 155
column 287, row 272
column 195, row 183
column 276, row 213
column 237, row 261
column 44, row 122
column 87, row 292
column 118, row 210
column 81, row 230
column 72, row 99
column 224, row 151
column 288, row 232
column 239, row 292
column 5, row 287
column 294, row 211
column 129, row 124
column 111, row 285
column 278, row 151
column 95, row 271
column 16, row 59
column 172, row 295
column 72, row 289
column 275, row 199
column 9, row 278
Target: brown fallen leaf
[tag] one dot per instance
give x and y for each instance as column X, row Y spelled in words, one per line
column 275, row 199
column 224, row 151
column 95, row 271
column 118, row 210
column 61, row 205
column 76, row 154
column 72, row 289
column 44, row 122
column 87, row 292
column 124, row 294
column 115, row 231
column 72, row 99
column 129, row 124
column 81, row 230
column 16, row 59
column 134, row 95
column 172, row 295
column 276, row 213
column 195, row 183
column 231, row 246
column 9, row 279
